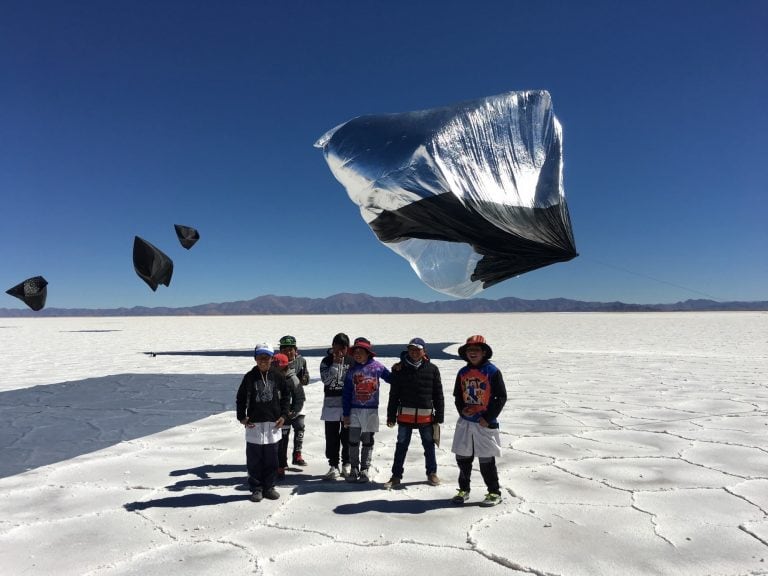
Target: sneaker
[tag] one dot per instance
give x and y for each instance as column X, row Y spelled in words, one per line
column 491, row 499
column 332, row 474
column 345, row 470
column 256, row 496
column 298, row 460
column 280, row 473
column 272, row 494
column 433, row 479
column 461, row 497
column 393, row 482
column 363, row 478
column 353, row 475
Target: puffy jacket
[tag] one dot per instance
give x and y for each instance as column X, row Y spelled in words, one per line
column 415, row 394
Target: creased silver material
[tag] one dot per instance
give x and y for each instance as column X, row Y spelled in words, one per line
column 469, row 194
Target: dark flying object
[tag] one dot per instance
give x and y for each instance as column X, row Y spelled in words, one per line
column 151, row 264
column 33, row 292
column 470, row 194
column 187, row 235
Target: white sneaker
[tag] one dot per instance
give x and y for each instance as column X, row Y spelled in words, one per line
column 345, row 470
column 332, row 473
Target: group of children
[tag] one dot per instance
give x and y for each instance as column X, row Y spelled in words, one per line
column 270, row 403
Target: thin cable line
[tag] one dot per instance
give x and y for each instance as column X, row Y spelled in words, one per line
column 647, row 277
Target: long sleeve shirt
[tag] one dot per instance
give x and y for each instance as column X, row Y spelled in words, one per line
column 361, row 385
column 480, row 392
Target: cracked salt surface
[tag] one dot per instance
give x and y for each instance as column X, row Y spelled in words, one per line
column 634, row 444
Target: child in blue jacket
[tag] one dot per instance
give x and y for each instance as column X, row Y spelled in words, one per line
column 360, row 406
column 479, row 394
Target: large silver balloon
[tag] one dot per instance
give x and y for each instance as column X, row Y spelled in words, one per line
column 470, row 194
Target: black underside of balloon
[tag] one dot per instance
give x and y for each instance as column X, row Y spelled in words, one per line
column 505, row 254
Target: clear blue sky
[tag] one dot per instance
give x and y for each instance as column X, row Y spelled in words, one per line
column 122, row 118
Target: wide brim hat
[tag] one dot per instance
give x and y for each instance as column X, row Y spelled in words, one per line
column 475, row 340
column 364, row 345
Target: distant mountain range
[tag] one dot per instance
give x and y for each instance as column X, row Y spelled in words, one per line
column 366, row 304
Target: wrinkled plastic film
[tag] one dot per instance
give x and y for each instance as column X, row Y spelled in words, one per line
column 32, row 291
column 470, row 194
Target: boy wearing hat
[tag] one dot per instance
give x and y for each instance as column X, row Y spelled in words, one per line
column 415, row 402
column 262, row 407
column 297, row 399
column 360, row 406
column 333, row 369
column 297, row 368
column 479, row 394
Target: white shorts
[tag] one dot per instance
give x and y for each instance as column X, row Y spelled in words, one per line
column 367, row 419
column 471, row 439
column 263, row 433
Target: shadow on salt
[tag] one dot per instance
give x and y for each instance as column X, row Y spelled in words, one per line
column 46, row 424
column 436, row 351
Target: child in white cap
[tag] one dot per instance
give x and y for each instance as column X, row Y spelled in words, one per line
column 262, row 404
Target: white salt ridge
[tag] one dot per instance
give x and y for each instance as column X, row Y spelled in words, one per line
column 635, row 444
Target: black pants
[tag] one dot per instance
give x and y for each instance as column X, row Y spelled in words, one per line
column 298, row 439
column 298, row 433
column 336, row 436
column 261, row 460
column 487, row 471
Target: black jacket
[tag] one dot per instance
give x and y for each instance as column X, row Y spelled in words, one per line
column 263, row 401
column 413, row 387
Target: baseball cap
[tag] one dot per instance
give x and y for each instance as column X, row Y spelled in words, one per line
column 280, row 360
column 263, row 348
column 418, row 343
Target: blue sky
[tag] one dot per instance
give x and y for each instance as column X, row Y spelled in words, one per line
column 123, row 118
